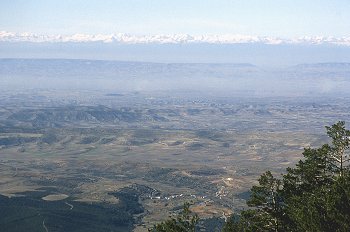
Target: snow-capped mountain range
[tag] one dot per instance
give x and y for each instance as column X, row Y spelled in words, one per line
column 6, row 36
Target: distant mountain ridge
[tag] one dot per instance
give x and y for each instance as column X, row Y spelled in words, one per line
column 88, row 61
column 324, row 65
column 219, row 79
column 261, row 54
column 108, row 68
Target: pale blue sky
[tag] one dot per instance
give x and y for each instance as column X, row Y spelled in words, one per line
column 281, row 18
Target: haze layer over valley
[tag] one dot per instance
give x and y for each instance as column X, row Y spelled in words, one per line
column 128, row 142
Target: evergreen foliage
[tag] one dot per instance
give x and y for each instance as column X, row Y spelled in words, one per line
column 184, row 222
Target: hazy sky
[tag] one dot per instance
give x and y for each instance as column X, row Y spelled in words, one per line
column 281, row 18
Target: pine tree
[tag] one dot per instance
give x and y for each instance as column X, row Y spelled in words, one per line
column 338, row 156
